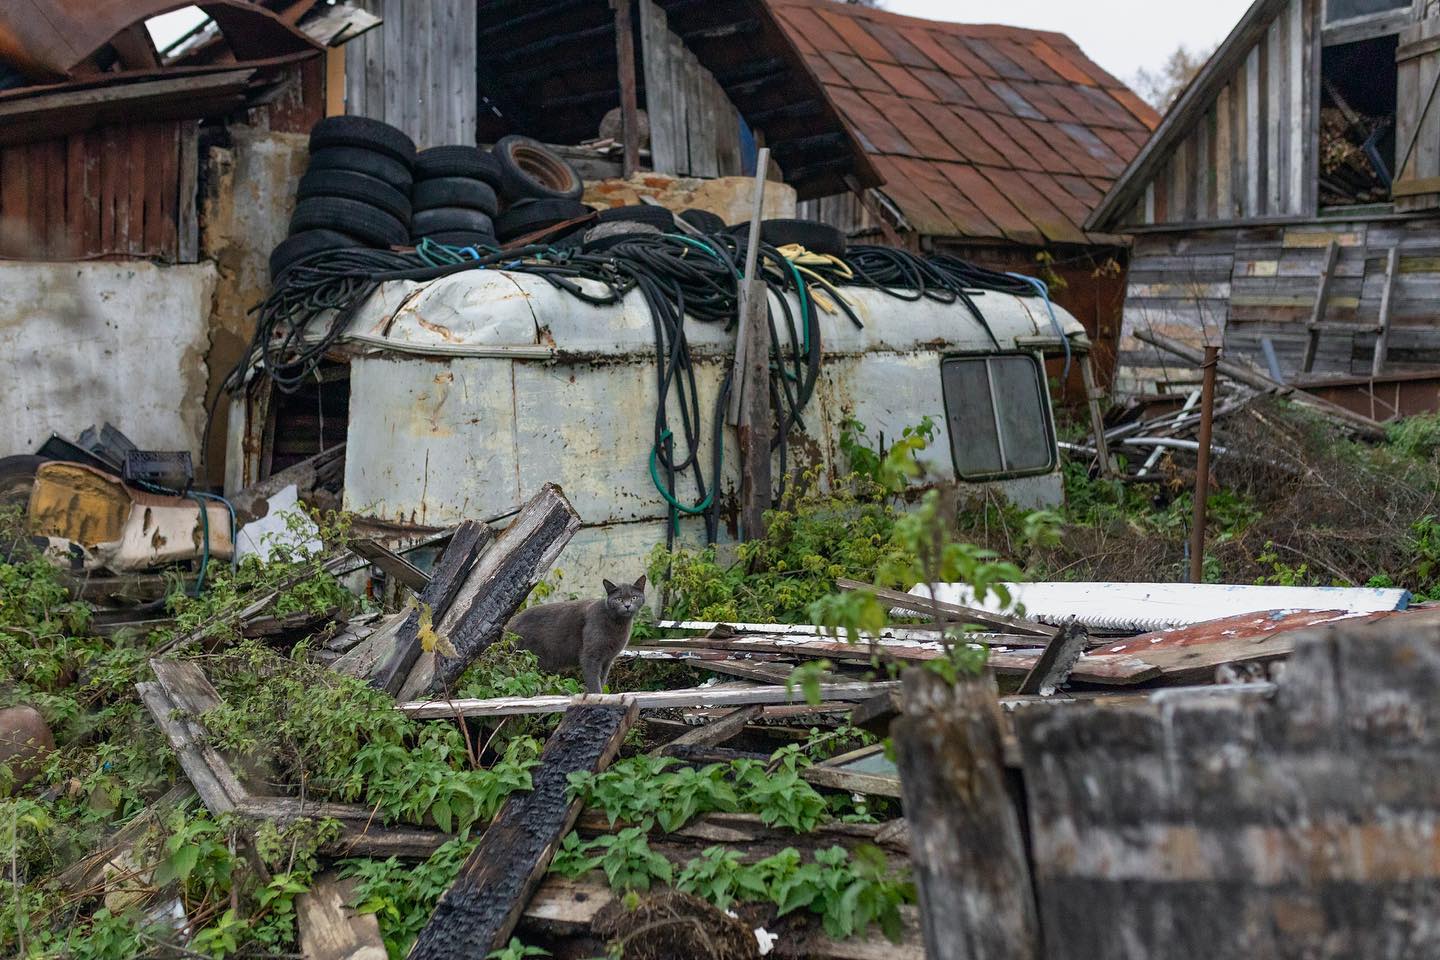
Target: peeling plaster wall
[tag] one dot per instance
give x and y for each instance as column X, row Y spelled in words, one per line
column 245, row 212
column 81, row 343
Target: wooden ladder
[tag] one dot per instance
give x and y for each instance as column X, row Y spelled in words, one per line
column 1381, row 330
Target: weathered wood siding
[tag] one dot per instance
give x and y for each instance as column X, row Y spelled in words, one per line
column 110, row 192
column 1235, row 826
column 694, row 128
column 417, row 69
column 1252, row 153
column 1239, row 286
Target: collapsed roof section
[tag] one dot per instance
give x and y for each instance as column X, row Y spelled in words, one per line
column 75, row 64
column 980, row 131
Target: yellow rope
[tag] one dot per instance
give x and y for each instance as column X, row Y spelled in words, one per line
column 804, row 259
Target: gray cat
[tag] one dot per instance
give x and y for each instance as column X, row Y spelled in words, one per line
column 586, row 633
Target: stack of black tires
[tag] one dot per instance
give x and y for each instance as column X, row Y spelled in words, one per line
column 355, row 191
column 454, row 197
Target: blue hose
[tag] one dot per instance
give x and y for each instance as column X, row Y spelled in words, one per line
column 1044, row 291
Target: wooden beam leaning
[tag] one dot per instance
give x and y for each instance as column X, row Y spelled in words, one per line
column 470, row 540
column 976, row 899
column 1382, row 335
column 482, row 907
column 497, row 585
column 392, row 563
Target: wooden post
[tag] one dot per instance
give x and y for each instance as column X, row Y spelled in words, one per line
column 482, row 907
column 750, row 397
column 1382, row 336
column 629, row 111
column 1202, row 466
column 1093, row 396
column 976, row 900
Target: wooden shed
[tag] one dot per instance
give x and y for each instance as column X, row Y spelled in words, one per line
column 1288, row 206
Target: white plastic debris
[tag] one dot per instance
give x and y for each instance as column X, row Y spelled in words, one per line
column 285, row 526
column 766, row 940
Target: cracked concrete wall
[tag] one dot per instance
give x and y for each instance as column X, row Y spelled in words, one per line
column 245, row 211
column 82, row 343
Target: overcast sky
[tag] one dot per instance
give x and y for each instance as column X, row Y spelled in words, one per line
column 1120, row 35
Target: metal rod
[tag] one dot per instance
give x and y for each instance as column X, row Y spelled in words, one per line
column 1202, row 465
column 629, row 109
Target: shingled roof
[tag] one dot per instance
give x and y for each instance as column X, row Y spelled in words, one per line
column 980, row 131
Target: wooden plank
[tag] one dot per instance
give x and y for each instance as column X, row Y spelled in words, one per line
column 88, row 870
column 1317, row 313
column 495, row 588
column 925, row 606
column 480, row 909
column 1272, row 65
column 1254, row 135
column 1382, row 340
column 187, row 750
column 1297, row 86
column 629, row 104
column 136, row 142
column 976, row 898
column 454, row 566
column 1224, row 155
column 851, row 781
column 660, row 100
column 392, row 564
column 330, row 929
column 187, row 218
column 715, row 733
column 752, row 359
column 644, row 700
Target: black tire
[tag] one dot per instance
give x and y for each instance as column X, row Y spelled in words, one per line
column 355, row 217
column 306, row 244
column 378, row 165
column 640, row 213
column 462, row 238
column 364, row 133
column 813, row 236
column 457, row 161
column 704, row 221
column 355, row 186
column 446, row 219
column 17, row 479
column 531, row 171
column 528, row 216
column 455, row 192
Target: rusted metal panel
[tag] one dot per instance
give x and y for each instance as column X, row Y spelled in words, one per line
column 110, row 192
column 49, row 40
column 1384, row 397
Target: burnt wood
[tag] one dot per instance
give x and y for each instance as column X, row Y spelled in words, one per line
column 480, row 910
column 470, row 540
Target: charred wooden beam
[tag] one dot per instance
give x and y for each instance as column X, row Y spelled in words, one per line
column 470, row 540
column 479, row 911
column 394, row 565
column 496, row 587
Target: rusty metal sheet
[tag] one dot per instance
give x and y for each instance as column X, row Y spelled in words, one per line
column 52, row 40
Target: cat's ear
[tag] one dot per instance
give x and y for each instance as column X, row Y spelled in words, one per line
column 640, row 584
column 609, row 587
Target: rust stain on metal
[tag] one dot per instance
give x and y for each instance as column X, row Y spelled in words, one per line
column 1245, row 626
column 442, row 331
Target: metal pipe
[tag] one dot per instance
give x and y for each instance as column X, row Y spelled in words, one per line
column 1202, row 465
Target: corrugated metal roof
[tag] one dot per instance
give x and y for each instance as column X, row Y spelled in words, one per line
column 980, row 131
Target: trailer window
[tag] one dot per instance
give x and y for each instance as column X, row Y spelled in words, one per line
column 998, row 416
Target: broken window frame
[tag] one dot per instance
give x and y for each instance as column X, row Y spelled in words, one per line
column 1037, row 366
column 1407, row 11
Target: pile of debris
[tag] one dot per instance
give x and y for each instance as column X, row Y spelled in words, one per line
column 555, row 862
